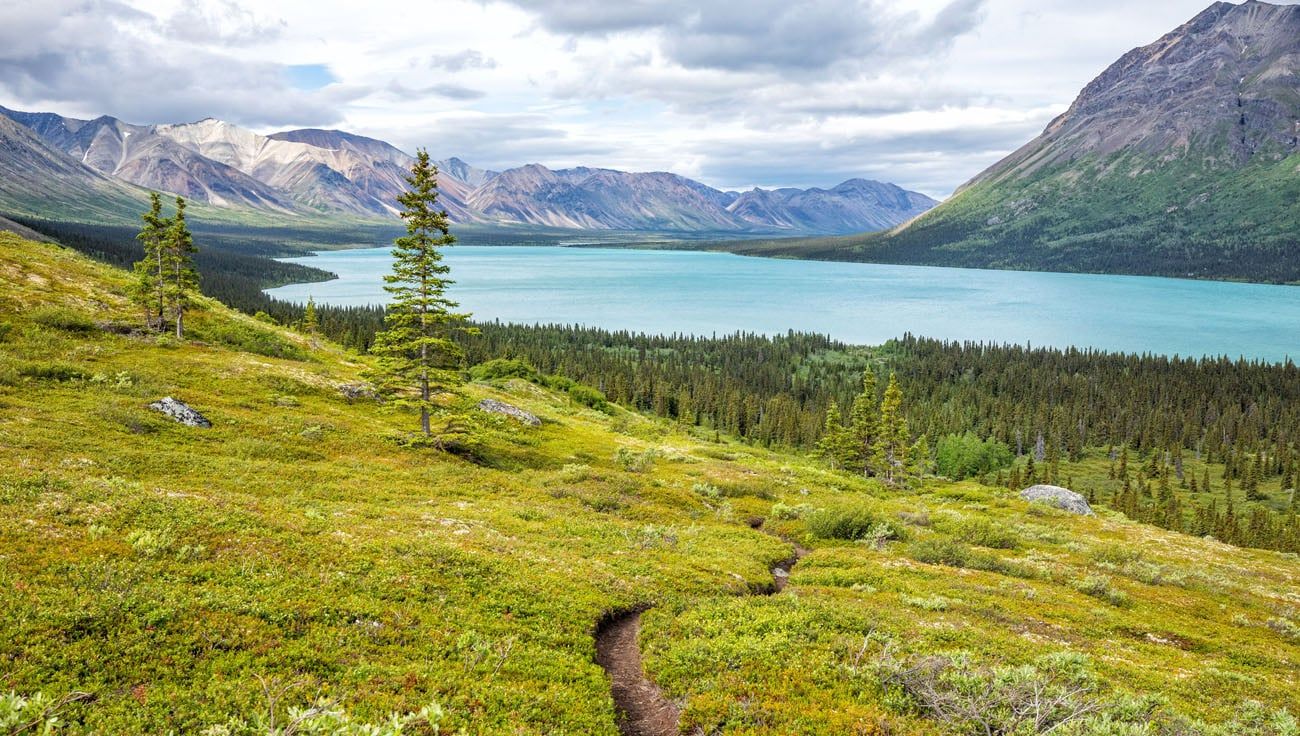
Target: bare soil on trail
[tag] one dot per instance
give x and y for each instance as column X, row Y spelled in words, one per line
column 781, row 573
column 643, row 708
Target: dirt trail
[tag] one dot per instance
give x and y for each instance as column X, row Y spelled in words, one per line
column 643, row 709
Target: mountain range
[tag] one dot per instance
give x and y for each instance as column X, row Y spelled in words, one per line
column 300, row 173
column 1181, row 159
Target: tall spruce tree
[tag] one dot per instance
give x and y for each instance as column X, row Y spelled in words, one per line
column 415, row 350
column 180, row 280
column 892, row 449
column 148, row 289
column 864, row 426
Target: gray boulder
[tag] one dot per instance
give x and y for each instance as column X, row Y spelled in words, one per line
column 492, row 406
column 355, row 391
column 1062, row 498
column 180, row 412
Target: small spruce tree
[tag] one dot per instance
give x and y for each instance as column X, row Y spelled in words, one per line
column 147, row 291
column 836, row 445
column 310, row 322
column 181, row 281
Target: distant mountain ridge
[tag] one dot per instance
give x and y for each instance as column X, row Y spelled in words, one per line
column 312, row 171
column 1180, row 159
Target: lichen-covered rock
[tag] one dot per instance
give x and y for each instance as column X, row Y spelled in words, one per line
column 1062, row 498
column 180, row 412
column 355, row 391
column 493, row 406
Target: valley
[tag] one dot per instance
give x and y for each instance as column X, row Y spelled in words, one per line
column 576, row 398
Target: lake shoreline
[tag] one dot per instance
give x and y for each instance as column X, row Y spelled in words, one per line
column 658, row 291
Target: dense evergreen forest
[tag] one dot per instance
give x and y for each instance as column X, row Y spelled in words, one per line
column 1207, row 446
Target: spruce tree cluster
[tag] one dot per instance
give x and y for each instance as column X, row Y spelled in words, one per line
column 165, row 279
column 875, row 441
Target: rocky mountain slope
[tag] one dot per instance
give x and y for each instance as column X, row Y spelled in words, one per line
column 306, row 172
column 852, row 203
column 36, row 177
column 1182, row 159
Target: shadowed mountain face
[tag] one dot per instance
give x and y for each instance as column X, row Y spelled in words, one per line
column 855, row 202
column 37, row 178
column 312, row 171
column 1181, row 159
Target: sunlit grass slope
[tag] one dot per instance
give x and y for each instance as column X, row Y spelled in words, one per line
column 171, row 571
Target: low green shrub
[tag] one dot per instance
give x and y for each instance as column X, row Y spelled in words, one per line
column 960, row 456
column 941, row 551
column 786, row 512
column 707, row 490
column 62, row 318
column 249, row 339
column 588, row 396
column 1100, row 587
column 501, row 369
column 41, row 370
column 984, row 533
column 636, row 462
column 851, row 524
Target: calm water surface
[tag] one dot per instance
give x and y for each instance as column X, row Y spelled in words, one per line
column 706, row 293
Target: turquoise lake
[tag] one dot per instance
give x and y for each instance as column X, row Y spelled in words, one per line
column 707, row 293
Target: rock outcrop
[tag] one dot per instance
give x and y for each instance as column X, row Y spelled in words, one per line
column 1062, row 498
column 492, row 406
column 180, row 412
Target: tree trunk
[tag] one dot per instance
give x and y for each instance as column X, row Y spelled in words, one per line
column 424, row 407
column 162, row 293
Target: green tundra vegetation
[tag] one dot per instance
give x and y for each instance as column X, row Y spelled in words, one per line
column 300, row 562
column 1070, row 409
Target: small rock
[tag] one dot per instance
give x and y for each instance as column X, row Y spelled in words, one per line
column 354, row 391
column 493, row 406
column 1062, row 498
column 180, row 412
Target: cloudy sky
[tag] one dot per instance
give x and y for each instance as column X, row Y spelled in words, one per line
column 925, row 93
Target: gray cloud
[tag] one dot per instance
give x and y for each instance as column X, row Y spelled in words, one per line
column 222, row 22
column 767, row 34
column 446, row 91
column 462, row 60
column 498, row 141
column 101, row 56
column 927, row 162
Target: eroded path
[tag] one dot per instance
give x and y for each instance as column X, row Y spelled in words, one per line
column 643, row 709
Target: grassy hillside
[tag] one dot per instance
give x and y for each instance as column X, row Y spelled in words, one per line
column 175, row 576
column 1123, row 214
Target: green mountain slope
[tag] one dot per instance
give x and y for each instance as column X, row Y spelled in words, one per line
column 170, row 573
column 1181, row 159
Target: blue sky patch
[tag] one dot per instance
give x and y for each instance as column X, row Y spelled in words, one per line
column 309, row 76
